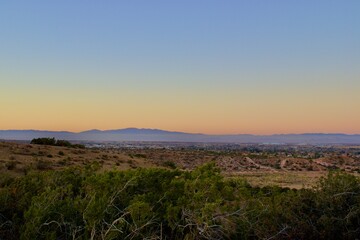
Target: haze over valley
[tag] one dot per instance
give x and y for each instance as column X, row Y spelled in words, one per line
column 135, row 134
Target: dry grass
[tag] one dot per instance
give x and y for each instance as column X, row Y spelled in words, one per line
column 18, row 159
column 293, row 179
column 260, row 170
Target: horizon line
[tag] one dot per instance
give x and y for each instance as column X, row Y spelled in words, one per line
column 175, row 131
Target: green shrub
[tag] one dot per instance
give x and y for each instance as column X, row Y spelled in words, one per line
column 10, row 165
column 54, row 142
column 81, row 203
column 169, row 164
column 42, row 164
column 43, row 141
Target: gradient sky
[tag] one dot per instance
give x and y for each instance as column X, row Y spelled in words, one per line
column 207, row 66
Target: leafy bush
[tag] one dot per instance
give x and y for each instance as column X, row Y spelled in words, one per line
column 42, row 164
column 79, row 203
column 169, row 164
column 44, row 141
column 10, row 165
column 54, row 142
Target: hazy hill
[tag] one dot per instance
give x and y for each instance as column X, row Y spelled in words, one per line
column 137, row 134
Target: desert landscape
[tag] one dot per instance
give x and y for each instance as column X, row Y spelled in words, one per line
column 294, row 166
column 180, row 120
column 56, row 189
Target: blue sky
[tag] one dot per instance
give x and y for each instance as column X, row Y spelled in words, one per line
column 157, row 49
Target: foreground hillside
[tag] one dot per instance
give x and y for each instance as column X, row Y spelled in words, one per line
column 55, row 192
column 79, row 203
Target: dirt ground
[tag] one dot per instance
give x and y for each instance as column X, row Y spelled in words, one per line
column 259, row 169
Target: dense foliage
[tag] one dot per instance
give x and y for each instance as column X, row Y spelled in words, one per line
column 54, row 142
column 171, row 204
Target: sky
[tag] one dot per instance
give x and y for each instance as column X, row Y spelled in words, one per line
column 208, row 66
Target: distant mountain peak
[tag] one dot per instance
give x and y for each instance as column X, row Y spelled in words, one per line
column 133, row 130
column 92, row 131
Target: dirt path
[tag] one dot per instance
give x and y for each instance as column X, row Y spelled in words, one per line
column 249, row 160
column 322, row 163
column 283, row 163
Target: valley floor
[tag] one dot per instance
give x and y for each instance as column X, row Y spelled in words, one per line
column 260, row 166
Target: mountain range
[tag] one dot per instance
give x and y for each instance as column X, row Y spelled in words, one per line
column 141, row 134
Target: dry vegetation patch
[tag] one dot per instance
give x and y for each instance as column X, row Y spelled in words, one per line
column 283, row 168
